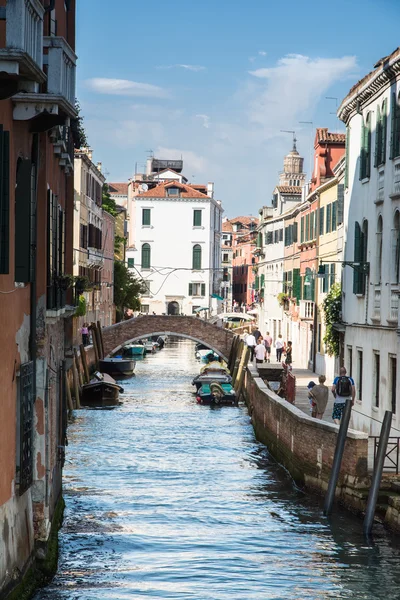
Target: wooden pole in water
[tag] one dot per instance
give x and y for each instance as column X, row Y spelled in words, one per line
column 238, row 356
column 98, row 343
column 242, row 372
column 84, row 363
column 78, row 367
column 233, row 352
column 96, row 352
column 76, row 386
column 68, row 391
column 100, row 338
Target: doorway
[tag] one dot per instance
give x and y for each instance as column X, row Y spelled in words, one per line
column 173, row 308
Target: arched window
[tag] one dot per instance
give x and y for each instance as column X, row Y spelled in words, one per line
column 396, row 248
column 360, row 256
column 146, row 256
column 365, row 153
column 395, row 126
column 379, row 229
column 380, row 135
column 196, row 258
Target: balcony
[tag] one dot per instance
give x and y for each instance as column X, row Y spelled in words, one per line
column 95, row 257
column 307, row 310
column 396, row 182
column 47, row 110
column 376, row 315
column 63, row 146
column 22, row 57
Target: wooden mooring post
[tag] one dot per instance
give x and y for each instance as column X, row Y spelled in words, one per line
column 100, row 338
column 84, row 363
column 78, row 367
column 68, row 392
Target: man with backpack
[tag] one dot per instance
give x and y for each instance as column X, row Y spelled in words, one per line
column 342, row 389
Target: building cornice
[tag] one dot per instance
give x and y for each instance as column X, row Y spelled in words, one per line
column 370, row 86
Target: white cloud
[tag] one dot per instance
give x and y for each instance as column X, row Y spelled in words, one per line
column 294, row 86
column 205, row 119
column 186, row 67
column 262, row 53
column 125, row 87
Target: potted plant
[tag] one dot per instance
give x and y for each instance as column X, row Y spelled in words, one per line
column 64, row 281
column 82, row 284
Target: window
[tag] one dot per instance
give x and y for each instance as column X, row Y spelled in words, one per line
column 146, row 256
column 395, row 128
column 321, row 220
column 131, row 263
column 296, row 284
column 147, row 286
column 365, row 154
column 4, row 200
column 146, row 217
column 360, row 255
column 145, row 308
column 359, row 374
column 334, row 215
column 328, row 227
column 281, row 235
column 377, row 376
column 307, row 231
column 302, row 230
column 196, row 257
column 380, row 135
column 197, row 218
column 197, row 289
column 378, row 274
column 396, row 248
column 319, row 340
column 393, row 381
column 173, row 191
column 333, row 275
column 350, row 361
column 24, row 226
column 225, row 258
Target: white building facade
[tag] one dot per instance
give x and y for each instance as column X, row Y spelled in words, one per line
column 178, row 249
column 371, row 113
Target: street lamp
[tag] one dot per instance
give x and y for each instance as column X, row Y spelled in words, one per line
column 361, row 267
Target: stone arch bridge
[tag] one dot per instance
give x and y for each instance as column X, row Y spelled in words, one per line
column 217, row 338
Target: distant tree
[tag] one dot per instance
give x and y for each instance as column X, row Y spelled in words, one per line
column 127, row 290
column 78, row 129
column 108, row 203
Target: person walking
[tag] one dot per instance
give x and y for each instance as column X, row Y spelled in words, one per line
column 257, row 335
column 319, row 395
column 343, row 388
column 85, row 334
column 268, row 346
column 279, row 348
column 288, row 353
column 250, row 342
column 260, row 351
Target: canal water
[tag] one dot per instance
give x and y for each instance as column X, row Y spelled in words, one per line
column 169, row 499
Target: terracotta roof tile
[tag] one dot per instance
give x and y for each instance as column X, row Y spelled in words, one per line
column 323, row 135
column 227, row 226
column 118, row 188
column 160, row 191
column 244, row 220
column 289, row 189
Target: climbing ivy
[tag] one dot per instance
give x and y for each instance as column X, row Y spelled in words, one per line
column 332, row 307
column 81, row 309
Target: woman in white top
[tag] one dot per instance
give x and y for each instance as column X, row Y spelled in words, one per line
column 279, row 345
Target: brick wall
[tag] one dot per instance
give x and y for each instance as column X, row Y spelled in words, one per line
column 217, row 338
column 306, row 446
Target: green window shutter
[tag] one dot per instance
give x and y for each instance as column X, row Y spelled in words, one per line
column 346, row 172
column 321, row 220
column 196, row 257
column 131, row 263
column 340, row 203
column 396, row 129
column 257, row 283
column 378, row 137
column 296, row 284
column 197, row 218
column 368, row 144
column 328, row 218
column 333, row 274
column 392, row 126
column 312, row 291
column 357, row 257
column 203, row 289
column 23, row 215
column 259, row 240
column 146, row 216
column 302, row 230
column 307, row 237
column 325, row 279
column 146, row 256
column 383, row 132
column 4, row 201
column 262, row 281
column 190, row 289
column 334, row 215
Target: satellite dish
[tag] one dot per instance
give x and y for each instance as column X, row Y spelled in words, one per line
column 144, row 187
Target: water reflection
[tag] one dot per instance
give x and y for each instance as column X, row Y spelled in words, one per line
column 170, row 499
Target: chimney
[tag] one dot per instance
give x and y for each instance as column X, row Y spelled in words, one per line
column 100, row 166
column 210, row 189
column 149, row 166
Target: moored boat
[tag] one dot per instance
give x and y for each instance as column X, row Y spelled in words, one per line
column 117, row 366
column 134, row 350
column 150, row 346
column 216, row 393
column 215, row 371
column 101, row 391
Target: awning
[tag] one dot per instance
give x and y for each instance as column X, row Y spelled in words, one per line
column 217, row 297
column 196, row 310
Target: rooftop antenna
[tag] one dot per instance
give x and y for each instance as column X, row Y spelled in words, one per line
column 150, row 152
column 294, row 137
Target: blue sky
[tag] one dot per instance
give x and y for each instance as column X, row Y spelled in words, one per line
column 215, row 81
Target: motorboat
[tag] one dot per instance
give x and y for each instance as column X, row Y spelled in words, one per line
column 212, row 372
column 216, row 393
column 117, row 366
column 150, row 346
column 136, row 350
column 101, row 391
